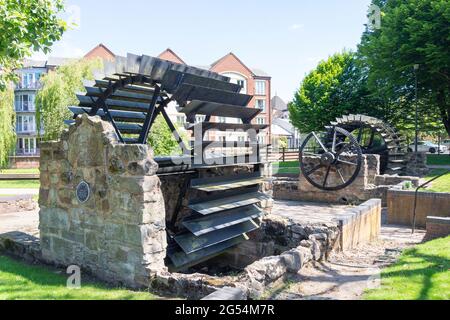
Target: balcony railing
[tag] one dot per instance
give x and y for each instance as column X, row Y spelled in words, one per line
column 28, row 86
column 26, row 152
column 30, row 107
column 26, row 130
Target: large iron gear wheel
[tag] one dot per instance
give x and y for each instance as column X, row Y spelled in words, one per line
column 375, row 137
column 332, row 167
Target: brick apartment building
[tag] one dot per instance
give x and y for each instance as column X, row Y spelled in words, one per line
column 26, row 153
column 253, row 81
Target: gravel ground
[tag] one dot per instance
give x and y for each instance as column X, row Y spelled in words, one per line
column 346, row 275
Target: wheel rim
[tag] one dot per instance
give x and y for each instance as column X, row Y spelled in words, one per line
column 343, row 159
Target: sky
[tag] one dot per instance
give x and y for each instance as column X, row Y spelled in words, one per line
column 285, row 38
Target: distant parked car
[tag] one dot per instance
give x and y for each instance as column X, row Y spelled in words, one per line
column 427, row 146
column 446, row 143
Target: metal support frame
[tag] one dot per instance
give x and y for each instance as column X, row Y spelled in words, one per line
column 153, row 111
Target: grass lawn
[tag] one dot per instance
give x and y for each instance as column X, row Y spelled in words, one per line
column 19, row 184
column 421, row 273
column 440, row 185
column 19, row 171
column 288, row 167
column 438, row 160
column 20, row 281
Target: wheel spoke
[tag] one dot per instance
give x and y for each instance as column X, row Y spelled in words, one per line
column 311, row 154
column 320, row 142
column 313, row 170
column 326, row 177
column 340, row 175
column 347, row 162
column 333, row 148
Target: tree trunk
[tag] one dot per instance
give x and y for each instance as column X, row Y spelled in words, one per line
column 445, row 110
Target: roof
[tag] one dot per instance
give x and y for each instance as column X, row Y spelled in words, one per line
column 100, row 45
column 33, row 63
column 279, row 131
column 58, row 61
column 171, row 52
column 259, row 72
column 254, row 71
column 285, row 124
column 278, row 104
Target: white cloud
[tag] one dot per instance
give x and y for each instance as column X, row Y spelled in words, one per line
column 296, row 26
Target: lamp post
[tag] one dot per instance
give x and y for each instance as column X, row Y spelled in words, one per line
column 416, row 68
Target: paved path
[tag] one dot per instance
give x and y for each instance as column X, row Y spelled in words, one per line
column 345, row 276
column 27, row 222
column 308, row 212
column 15, row 192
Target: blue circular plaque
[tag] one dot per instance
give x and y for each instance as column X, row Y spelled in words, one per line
column 83, row 191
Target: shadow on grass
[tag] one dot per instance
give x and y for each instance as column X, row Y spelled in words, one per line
column 19, row 280
column 434, row 265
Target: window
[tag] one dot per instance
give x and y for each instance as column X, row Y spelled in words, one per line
column 237, row 78
column 242, row 84
column 260, row 87
column 241, row 138
column 199, row 119
column 30, row 80
column 261, row 139
column 25, row 102
column 260, row 120
column 26, row 146
column 25, row 124
column 181, row 120
column 260, row 104
column 221, row 119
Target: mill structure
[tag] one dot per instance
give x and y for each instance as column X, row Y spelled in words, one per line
column 222, row 209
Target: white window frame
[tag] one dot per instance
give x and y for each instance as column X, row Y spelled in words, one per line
column 260, row 87
column 263, row 109
column 27, row 145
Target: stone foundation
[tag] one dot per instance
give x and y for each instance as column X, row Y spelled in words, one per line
column 416, row 164
column 119, row 233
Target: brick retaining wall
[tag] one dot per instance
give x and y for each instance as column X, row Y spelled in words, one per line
column 401, row 207
column 437, row 227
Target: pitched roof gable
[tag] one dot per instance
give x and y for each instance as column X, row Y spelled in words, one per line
column 168, row 54
column 231, row 54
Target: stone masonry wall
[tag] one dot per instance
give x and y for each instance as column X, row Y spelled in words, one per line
column 118, row 234
column 362, row 189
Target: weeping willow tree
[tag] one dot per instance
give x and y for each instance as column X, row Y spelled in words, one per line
column 59, row 89
column 7, row 120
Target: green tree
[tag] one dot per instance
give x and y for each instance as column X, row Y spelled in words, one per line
column 7, row 119
column 27, row 26
column 162, row 140
column 336, row 87
column 59, row 89
column 412, row 32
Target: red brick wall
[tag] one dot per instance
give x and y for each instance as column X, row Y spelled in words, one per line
column 437, row 228
column 170, row 56
column 100, row 52
column 24, row 162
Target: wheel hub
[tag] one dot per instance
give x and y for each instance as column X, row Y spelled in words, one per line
column 327, row 159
